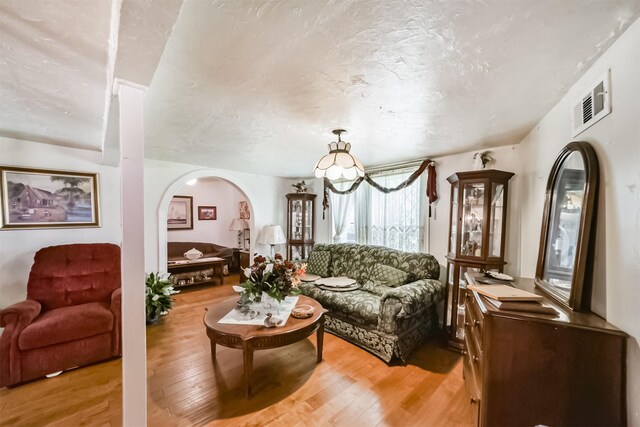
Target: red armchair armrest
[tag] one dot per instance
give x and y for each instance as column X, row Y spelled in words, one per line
column 21, row 313
column 116, row 304
column 14, row 319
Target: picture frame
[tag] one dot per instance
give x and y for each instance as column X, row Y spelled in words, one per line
column 180, row 213
column 47, row 198
column 245, row 213
column 207, row 213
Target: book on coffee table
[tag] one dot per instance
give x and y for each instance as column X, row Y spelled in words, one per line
column 505, row 293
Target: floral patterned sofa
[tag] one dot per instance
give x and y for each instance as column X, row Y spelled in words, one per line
column 389, row 321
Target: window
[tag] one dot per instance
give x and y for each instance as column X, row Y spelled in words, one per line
column 369, row 216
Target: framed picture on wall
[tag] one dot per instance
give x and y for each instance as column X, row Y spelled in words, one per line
column 42, row 198
column 180, row 213
column 207, row 213
column 244, row 211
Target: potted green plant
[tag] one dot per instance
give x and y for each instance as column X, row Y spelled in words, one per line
column 158, row 293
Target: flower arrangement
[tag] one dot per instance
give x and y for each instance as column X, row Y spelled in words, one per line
column 277, row 278
column 158, row 291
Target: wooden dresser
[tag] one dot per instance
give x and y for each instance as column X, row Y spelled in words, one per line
column 525, row 369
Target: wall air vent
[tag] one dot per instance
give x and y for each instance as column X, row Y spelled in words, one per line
column 592, row 106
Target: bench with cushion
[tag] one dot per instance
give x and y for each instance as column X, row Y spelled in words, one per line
column 394, row 309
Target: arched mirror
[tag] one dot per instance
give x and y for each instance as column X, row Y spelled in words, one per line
column 565, row 257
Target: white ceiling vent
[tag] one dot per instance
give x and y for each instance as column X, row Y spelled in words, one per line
column 592, row 106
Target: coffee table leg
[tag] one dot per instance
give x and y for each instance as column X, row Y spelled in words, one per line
column 247, row 353
column 320, row 339
column 213, row 349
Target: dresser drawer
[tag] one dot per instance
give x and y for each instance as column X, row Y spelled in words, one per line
column 472, row 365
column 474, row 321
column 473, row 355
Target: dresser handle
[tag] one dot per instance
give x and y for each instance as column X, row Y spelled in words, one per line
column 467, row 324
column 473, row 400
column 476, row 323
column 475, row 358
column 464, row 352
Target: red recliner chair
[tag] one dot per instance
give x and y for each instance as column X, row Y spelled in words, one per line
column 71, row 316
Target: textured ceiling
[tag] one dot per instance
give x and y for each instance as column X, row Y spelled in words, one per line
column 53, row 70
column 258, row 85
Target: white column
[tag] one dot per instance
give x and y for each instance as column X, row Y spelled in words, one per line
column 134, row 369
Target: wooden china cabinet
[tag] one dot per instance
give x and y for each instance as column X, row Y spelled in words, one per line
column 300, row 225
column 476, row 238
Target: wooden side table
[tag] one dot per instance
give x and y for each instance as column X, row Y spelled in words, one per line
column 251, row 337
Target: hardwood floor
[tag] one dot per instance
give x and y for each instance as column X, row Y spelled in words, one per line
column 350, row 387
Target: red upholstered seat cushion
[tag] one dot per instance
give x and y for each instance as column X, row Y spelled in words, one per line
column 67, row 324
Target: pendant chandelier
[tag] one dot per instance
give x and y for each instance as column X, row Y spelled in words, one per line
column 339, row 162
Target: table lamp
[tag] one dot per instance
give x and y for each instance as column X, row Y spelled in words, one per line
column 239, row 225
column 272, row 235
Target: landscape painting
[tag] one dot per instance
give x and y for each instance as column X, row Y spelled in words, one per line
column 180, row 213
column 39, row 198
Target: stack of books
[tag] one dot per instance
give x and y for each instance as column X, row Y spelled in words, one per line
column 508, row 298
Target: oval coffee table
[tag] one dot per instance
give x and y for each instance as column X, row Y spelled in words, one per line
column 251, row 337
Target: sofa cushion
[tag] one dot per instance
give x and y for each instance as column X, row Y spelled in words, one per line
column 360, row 306
column 319, row 263
column 353, row 260
column 388, row 276
column 67, row 324
column 374, row 288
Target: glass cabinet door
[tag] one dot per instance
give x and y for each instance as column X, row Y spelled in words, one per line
column 300, row 235
column 453, row 233
column 308, row 222
column 296, row 219
column 472, row 219
column 296, row 252
column 496, row 214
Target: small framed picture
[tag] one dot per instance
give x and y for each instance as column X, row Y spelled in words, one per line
column 180, row 213
column 42, row 198
column 245, row 213
column 207, row 213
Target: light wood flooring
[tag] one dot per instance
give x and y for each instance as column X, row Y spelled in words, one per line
column 350, row 387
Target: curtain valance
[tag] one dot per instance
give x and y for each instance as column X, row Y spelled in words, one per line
column 432, row 195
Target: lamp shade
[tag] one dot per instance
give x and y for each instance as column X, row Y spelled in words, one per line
column 339, row 162
column 271, row 235
column 239, row 224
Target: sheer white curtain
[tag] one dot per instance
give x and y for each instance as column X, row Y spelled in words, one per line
column 340, row 213
column 395, row 220
column 362, row 213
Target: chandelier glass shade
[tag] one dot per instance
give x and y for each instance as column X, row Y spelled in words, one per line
column 339, row 163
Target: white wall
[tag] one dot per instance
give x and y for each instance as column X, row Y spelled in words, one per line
column 211, row 192
column 17, row 247
column 266, row 197
column 616, row 139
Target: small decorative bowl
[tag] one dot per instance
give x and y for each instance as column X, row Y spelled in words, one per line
column 302, row 311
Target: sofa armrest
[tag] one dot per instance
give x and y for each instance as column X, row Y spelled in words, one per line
column 116, row 301
column 412, row 298
column 14, row 319
column 21, row 313
column 116, row 309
